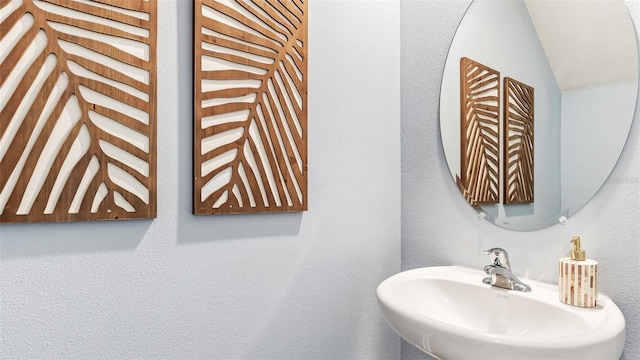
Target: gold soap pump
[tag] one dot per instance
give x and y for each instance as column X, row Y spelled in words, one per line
column 577, row 253
column 578, row 278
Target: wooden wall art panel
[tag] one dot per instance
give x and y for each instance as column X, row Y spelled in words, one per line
column 479, row 133
column 77, row 110
column 518, row 102
column 250, row 106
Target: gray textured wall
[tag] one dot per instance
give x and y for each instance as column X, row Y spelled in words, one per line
column 218, row 287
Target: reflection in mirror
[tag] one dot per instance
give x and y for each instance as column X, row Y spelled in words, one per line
column 581, row 58
column 479, row 134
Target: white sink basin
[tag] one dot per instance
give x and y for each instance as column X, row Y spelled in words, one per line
column 449, row 313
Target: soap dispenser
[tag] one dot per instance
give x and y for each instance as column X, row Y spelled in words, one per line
column 578, row 278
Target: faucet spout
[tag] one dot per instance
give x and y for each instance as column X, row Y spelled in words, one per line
column 499, row 257
column 499, row 272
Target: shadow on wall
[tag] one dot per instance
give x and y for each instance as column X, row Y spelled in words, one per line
column 45, row 239
column 192, row 229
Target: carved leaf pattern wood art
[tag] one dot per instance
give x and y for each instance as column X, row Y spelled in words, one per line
column 77, row 110
column 518, row 142
column 479, row 133
column 250, row 106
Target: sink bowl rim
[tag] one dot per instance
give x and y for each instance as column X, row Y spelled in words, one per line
column 540, row 292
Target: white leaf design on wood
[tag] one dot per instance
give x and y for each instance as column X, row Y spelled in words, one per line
column 250, row 106
column 518, row 142
column 77, row 110
column 479, row 132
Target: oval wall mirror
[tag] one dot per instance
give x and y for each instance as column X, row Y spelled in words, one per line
column 536, row 104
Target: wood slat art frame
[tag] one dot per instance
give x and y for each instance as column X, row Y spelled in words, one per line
column 77, row 110
column 479, row 133
column 518, row 102
column 250, row 106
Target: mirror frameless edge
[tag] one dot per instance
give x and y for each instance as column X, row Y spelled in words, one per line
column 572, row 161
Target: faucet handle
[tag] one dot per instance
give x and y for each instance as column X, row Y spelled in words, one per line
column 499, row 257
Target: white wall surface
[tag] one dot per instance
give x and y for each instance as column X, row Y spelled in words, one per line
column 286, row 286
column 440, row 228
column 594, row 122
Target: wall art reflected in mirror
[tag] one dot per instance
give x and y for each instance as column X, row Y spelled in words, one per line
column 482, row 137
column 479, row 133
column 580, row 58
column 518, row 146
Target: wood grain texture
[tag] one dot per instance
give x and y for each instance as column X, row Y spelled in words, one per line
column 77, row 110
column 518, row 142
column 250, row 106
column 479, row 133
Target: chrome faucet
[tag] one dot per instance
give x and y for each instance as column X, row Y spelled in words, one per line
column 499, row 271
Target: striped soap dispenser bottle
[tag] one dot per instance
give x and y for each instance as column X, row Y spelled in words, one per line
column 578, row 278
